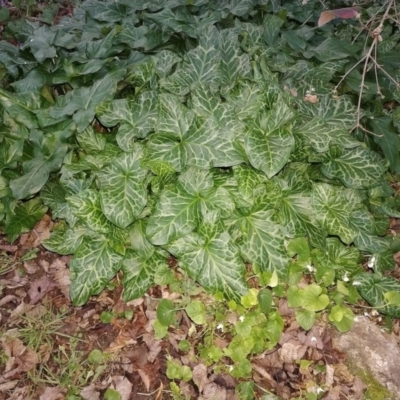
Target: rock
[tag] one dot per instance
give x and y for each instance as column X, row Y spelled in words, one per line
column 370, row 349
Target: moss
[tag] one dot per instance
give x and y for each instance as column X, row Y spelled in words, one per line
column 375, row 390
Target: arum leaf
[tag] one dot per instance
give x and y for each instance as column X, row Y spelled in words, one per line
column 93, row 266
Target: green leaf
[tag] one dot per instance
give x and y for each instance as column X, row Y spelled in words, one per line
column 200, row 65
column 373, row 288
column 94, row 264
column 135, row 118
column 123, row 192
column 305, row 318
column 356, row 168
column 312, row 298
column 333, row 211
column 86, row 207
column 139, row 273
column 166, row 312
column 196, row 312
column 23, row 218
column 264, row 298
column 267, row 145
column 65, row 241
column 262, row 242
column 81, row 102
column 342, row 317
column 211, row 258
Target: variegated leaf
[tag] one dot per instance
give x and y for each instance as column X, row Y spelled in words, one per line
column 333, row 211
column 123, row 192
column 94, row 264
column 212, row 260
column 356, row 168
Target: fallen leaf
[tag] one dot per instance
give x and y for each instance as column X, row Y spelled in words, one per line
column 200, row 376
column 289, row 352
column 330, row 370
column 145, row 379
column 60, row 275
column 31, row 267
column 90, row 393
column 39, row 288
column 52, row 393
column 212, row 392
column 358, row 388
column 311, row 98
column 8, row 385
column 344, row 13
column 7, row 299
column 20, row 357
column 122, row 386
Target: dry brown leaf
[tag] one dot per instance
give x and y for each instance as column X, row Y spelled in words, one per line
column 31, row 267
column 60, row 274
column 7, row 299
column 39, row 288
column 20, row 357
column 212, row 392
column 19, row 394
column 330, row 371
column 311, row 98
column 154, row 350
column 145, row 379
column 343, row 374
column 52, row 393
column 90, row 393
column 8, row 385
column 358, row 388
column 289, row 352
column 41, row 231
column 200, row 376
column 122, row 386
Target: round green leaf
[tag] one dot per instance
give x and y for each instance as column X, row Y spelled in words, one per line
column 342, row 317
column 165, row 312
column 197, row 312
column 305, row 318
column 312, row 298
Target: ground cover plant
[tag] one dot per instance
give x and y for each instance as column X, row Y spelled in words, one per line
column 235, row 144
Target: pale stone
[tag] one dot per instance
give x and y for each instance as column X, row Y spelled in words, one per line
column 369, row 348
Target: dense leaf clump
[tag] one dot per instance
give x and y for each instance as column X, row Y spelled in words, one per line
column 158, row 128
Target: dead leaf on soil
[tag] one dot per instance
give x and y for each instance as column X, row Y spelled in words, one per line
column 145, row 378
column 122, row 386
column 60, row 274
column 40, row 232
column 289, row 352
column 20, row 357
column 200, row 376
column 39, row 288
column 330, row 370
column 212, row 391
column 52, row 393
column 7, row 299
column 358, row 388
column 90, row 393
column 31, row 267
column 8, row 385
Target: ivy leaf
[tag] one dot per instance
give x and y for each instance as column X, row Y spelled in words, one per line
column 81, row 102
column 332, row 210
column 123, row 192
column 373, row 287
column 139, row 273
column 211, row 258
column 356, row 168
column 65, row 241
column 262, row 242
column 268, row 146
column 312, row 298
column 135, row 118
column 23, row 218
column 94, row 264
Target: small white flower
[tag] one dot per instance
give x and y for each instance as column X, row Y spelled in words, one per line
column 220, row 327
column 313, row 89
column 356, row 283
column 374, row 313
column 320, row 390
column 371, row 262
column 230, row 367
column 346, row 277
column 241, row 318
column 310, row 268
column 366, row 314
column 313, row 339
